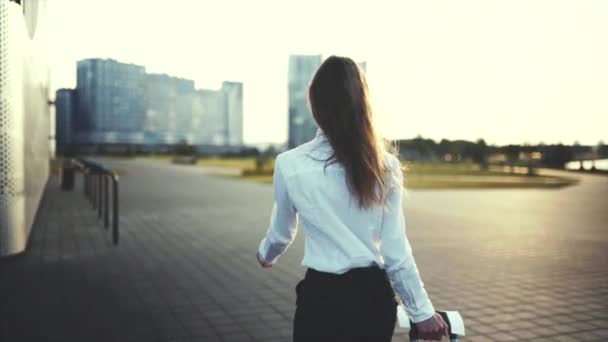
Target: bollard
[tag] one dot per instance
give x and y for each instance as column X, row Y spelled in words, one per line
column 94, row 190
column 115, row 209
column 91, row 188
column 85, row 183
column 67, row 175
column 89, row 180
column 106, row 204
column 103, row 196
column 100, row 178
column 88, row 186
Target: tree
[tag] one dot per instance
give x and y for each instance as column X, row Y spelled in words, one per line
column 263, row 161
column 602, row 149
column 529, row 150
column 184, row 149
column 557, row 156
column 248, row 152
column 443, row 147
column 512, row 154
column 479, row 152
column 417, row 148
column 270, row 151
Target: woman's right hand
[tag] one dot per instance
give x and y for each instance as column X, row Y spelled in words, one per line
column 433, row 328
column 262, row 262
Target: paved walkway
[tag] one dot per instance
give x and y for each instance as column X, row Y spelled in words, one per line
column 518, row 264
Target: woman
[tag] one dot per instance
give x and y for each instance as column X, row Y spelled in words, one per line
column 346, row 190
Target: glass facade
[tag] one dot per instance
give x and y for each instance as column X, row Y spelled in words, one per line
column 169, row 105
column 118, row 103
column 65, row 103
column 233, row 112
column 302, row 126
column 111, row 104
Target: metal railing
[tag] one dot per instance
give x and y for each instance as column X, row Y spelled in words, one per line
column 96, row 187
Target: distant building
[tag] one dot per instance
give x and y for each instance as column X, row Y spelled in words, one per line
column 111, row 106
column 169, row 109
column 212, row 125
column 65, row 110
column 233, row 112
column 302, row 126
column 184, row 117
column 198, row 121
column 497, row 158
column 120, row 103
column 363, row 66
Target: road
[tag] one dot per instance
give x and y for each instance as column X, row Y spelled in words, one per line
column 518, row 264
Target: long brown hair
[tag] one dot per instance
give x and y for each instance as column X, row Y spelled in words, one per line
column 340, row 103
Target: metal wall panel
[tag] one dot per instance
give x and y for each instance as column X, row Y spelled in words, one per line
column 24, row 120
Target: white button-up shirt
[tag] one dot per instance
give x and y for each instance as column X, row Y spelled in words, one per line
column 339, row 235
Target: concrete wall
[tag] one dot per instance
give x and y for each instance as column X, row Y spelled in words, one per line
column 24, row 120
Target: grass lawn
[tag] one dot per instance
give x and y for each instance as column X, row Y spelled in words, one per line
column 157, row 157
column 488, row 182
column 234, row 163
column 418, row 175
column 462, row 176
column 465, row 182
column 238, row 163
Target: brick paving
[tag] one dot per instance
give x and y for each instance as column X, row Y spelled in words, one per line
column 519, row 264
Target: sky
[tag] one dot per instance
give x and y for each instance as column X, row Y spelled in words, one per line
column 512, row 71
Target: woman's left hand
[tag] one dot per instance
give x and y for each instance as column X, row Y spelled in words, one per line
column 262, row 263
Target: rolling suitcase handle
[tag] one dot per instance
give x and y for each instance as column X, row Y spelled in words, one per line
column 455, row 326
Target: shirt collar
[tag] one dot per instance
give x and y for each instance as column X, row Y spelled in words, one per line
column 321, row 138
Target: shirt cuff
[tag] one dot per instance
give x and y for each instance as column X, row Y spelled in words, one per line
column 263, row 252
column 410, row 290
column 424, row 313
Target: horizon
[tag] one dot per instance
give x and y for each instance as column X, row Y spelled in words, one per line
column 480, row 79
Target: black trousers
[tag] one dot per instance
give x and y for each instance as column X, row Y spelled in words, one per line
column 358, row 305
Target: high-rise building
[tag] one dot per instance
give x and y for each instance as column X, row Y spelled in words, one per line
column 120, row 103
column 198, row 121
column 302, row 126
column 169, row 109
column 363, row 65
column 65, row 109
column 213, row 119
column 111, row 107
column 233, row 112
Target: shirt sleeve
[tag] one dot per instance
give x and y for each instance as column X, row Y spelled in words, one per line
column 283, row 221
column 398, row 259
